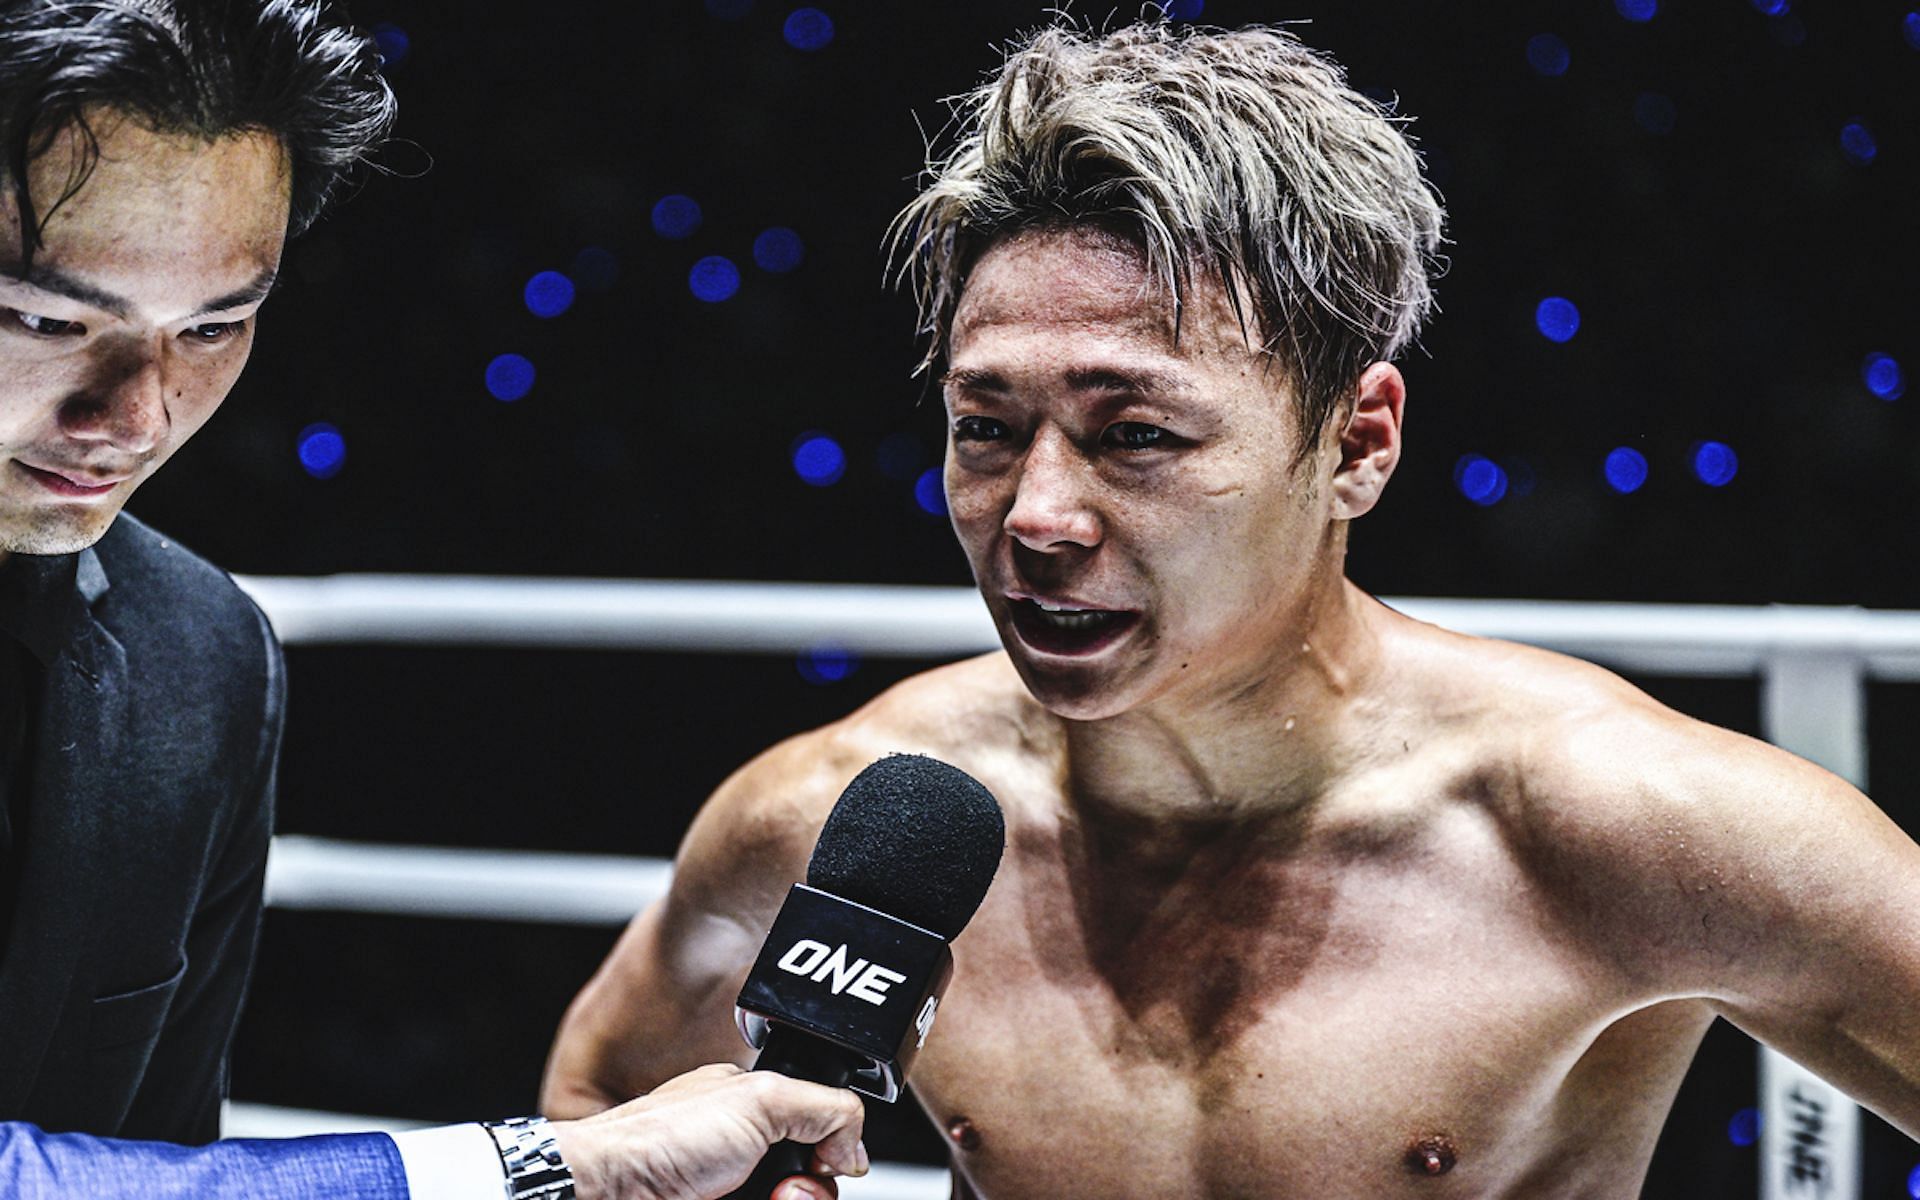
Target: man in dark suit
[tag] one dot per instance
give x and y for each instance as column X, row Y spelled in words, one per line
column 140, row 806
column 154, row 157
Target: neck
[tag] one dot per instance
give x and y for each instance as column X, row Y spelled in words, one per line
column 1255, row 746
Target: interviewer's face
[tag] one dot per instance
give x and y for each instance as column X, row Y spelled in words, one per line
column 133, row 322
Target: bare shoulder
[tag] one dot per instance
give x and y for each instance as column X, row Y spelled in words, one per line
column 1572, row 740
column 1599, row 763
column 1676, row 844
column 755, row 834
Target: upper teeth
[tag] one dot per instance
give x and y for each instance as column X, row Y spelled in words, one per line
column 1086, row 618
column 1060, row 608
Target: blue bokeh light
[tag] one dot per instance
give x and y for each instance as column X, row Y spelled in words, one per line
column 1557, row 319
column 808, row 29
column 714, row 279
column 1913, row 1183
column 1655, row 113
column 1715, row 464
column 1626, row 470
column 1911, row 27
column 1744, row 1127
column 778, row 250
column 900, row 456
column 1637, row 10
column 676, row 217
column 729, row 10
column 509, row 377
column 1181, row 10
column 1883, row 376
column 818, row 459
column 1772, row 8
column 548, row 294
column 322, row 450
column 1547, row 53
column 394, row 44
column 1858, row 143
column 1480, row 479
column 595, row 268
column 929, row 493
column 822, row 665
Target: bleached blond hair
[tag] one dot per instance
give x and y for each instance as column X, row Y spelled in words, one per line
column 1241, row 153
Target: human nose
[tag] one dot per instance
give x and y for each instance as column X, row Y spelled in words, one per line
column 125, row 404
column 1051, row 501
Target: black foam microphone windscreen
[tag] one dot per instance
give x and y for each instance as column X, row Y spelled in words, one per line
column 915, row 838
column 851, row 975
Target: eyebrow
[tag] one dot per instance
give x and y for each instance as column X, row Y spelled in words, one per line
column 256, row 289
column 57, row 282
column 1121, row 379
column 973, row 379
column 1080, row 379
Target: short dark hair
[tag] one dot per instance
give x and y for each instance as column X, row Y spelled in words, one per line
column 295, row 69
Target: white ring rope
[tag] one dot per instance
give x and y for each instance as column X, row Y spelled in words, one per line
column 625, row 614
column 434, row 881
column 897, row 621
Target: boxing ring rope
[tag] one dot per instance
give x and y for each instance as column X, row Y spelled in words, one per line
column 914, row 622
column 1813, row 664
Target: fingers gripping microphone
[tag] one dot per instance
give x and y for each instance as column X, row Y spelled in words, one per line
column 851, row 974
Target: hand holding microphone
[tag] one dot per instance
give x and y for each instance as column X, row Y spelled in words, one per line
column 696, row 1135
column 849, row 980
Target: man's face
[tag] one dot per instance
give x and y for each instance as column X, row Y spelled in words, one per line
column 134, row 321
column 1094, row 464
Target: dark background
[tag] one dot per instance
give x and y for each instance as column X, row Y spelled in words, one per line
column 1684, row 182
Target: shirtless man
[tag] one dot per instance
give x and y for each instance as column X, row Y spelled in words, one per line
column 1302, row 898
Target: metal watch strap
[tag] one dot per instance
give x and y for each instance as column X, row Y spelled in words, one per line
column 531, row 1158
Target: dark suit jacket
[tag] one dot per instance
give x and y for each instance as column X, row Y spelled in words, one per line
column 144, row 849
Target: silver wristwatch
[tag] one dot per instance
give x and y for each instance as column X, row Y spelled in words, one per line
column 531, row 1158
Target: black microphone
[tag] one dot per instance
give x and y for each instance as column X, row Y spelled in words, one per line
column 851, row 974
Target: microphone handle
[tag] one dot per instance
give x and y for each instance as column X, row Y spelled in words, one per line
column 796, row 1055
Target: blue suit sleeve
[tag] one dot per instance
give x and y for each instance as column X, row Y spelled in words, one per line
column 73, row 1166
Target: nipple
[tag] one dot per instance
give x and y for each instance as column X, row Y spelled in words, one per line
column 1431, row 1155
column 964, row 1135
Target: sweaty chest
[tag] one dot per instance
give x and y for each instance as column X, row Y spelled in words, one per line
column 1377, row 1029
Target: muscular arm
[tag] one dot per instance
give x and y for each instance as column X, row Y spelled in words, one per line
column 1766, row 886
column 1824, row 963
column 659, row 1004
column 663, row 1000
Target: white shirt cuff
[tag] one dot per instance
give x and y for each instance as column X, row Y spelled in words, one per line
column 451, row 1162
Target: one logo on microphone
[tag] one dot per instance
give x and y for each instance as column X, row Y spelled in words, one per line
column 859, row 978
column 924, row 1022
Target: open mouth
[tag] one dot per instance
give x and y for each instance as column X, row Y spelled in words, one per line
column 1068, row 631
column 63, row 486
